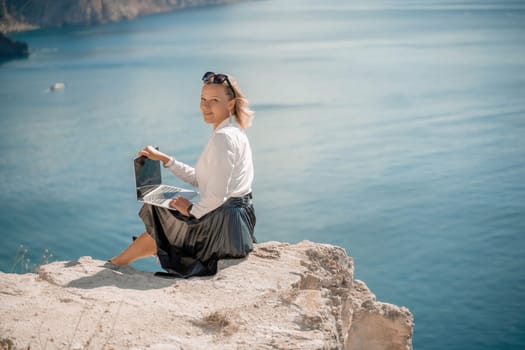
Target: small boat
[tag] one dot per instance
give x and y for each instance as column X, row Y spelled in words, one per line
column 57, row 86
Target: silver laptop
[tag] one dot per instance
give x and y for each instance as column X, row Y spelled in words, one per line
column 149, row 184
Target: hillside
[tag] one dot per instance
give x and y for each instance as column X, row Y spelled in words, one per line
column 18, row 15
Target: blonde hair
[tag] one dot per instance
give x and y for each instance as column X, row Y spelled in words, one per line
column 241, row 109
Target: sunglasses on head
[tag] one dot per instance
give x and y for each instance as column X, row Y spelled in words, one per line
column 219, row 78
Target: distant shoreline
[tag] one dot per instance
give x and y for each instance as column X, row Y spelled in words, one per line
column 16, row 17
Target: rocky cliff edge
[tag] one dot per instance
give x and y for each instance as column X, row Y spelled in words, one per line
column 282, row 296
column 19, row 15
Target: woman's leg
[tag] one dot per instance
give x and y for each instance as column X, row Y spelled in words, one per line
column 143, row 247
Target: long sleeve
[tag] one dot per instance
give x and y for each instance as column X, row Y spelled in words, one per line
column 215, row 169
column 184, row 172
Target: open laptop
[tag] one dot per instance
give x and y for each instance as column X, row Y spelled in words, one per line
column 149, row 184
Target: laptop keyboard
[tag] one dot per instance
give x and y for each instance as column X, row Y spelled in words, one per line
column 162, row 193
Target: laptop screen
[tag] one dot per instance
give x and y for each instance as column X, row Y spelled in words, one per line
column 147, row 173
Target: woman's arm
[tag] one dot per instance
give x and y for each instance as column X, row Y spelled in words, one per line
column 183, row 171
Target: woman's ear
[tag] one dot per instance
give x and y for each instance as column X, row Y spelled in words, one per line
column 231, row 106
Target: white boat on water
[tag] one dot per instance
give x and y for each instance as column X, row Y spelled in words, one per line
column 57, row 86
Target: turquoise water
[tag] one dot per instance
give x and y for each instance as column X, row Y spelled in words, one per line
column 393, row 129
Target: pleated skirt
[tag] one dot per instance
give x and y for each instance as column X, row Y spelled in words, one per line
column 192, row 247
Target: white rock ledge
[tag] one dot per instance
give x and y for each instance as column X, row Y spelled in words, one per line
column 282, row 296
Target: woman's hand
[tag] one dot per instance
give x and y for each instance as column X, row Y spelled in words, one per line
column 181, row 204
column 154, row 154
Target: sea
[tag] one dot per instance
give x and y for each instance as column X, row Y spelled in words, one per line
column 394, row 129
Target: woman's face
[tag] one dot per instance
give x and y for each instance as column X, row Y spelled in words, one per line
column 215, row 104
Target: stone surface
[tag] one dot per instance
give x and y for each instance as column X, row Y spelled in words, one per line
column 282, row 296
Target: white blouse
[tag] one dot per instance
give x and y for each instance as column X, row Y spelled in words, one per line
column 224, row 168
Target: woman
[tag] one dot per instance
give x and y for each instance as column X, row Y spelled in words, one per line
column 189, row 239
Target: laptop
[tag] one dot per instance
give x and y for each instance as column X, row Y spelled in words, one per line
column 149, row 184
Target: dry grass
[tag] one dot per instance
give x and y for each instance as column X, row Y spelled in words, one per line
column 8, row 344
column 22, row 263
column 216, row 320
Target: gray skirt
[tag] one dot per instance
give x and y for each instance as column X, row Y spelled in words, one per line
column 191, row 247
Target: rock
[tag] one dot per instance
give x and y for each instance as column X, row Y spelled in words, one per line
column 10, row 48
column 16, row 15
column 282, row 296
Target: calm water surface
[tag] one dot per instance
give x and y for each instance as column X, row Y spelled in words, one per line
column 393, row 129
